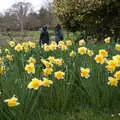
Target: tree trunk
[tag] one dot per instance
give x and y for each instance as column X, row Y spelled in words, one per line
column 21, row 26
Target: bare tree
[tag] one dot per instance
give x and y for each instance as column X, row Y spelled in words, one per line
column 21, row 10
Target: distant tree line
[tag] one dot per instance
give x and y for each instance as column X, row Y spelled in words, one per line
column 21, row 17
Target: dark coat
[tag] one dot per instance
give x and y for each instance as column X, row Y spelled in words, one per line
column 58, row 35
column 44, row 37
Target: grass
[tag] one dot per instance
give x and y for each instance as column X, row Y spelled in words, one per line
column 74, row 98
column 88, row 114
column 28, row 35
column 82, row 114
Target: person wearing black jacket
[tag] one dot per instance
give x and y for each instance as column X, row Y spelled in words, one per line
column 58, row 33
column 44, row 36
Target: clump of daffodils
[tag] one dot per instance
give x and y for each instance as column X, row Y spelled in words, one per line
column 111, row 65
column 18, row 47
column 7, row 51
column 102, row 56
column 54, row 43
column 46, row 82
column 46, row 47
column 72, row 54
column 59, row 75
column 35, row 84
column 117, row 59
column 82, row 50
column 9, row 57
column 12, row 102
column 2, row 69
column 82, row 42
column 47, row 71
column 25, row 44
column 46, row 63
column 69, row 42
column 1, row 61
column 103, row 52
column 90, row 53
column 30, row 68
column 117, row 47
column 85, row 72
column 31, row 44
column 25, row 47
column 117, row 75
column 51, row 59
column 112, row 81
column 63, row 47
column 99, row 59
column 61, row 43
column 107, row 40
column 32, row 60
column 53, row 46
column 12, row 44
column 58, row 61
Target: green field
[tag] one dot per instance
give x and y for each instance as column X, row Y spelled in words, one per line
column 72, row 97
column 32, row 36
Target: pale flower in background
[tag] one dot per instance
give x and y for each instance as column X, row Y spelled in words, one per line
column 12, row 102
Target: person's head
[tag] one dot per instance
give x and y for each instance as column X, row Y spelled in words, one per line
column 44, row 28
column 58, row 26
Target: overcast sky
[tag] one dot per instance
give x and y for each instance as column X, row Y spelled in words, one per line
column 5, row 4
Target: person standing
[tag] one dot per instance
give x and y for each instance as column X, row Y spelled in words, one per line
column 58, row 33
column 44, row 36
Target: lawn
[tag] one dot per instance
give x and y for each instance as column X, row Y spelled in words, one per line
column 30, row 35
column 72, row 81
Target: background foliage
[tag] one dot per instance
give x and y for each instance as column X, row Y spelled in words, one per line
column 97, row 18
